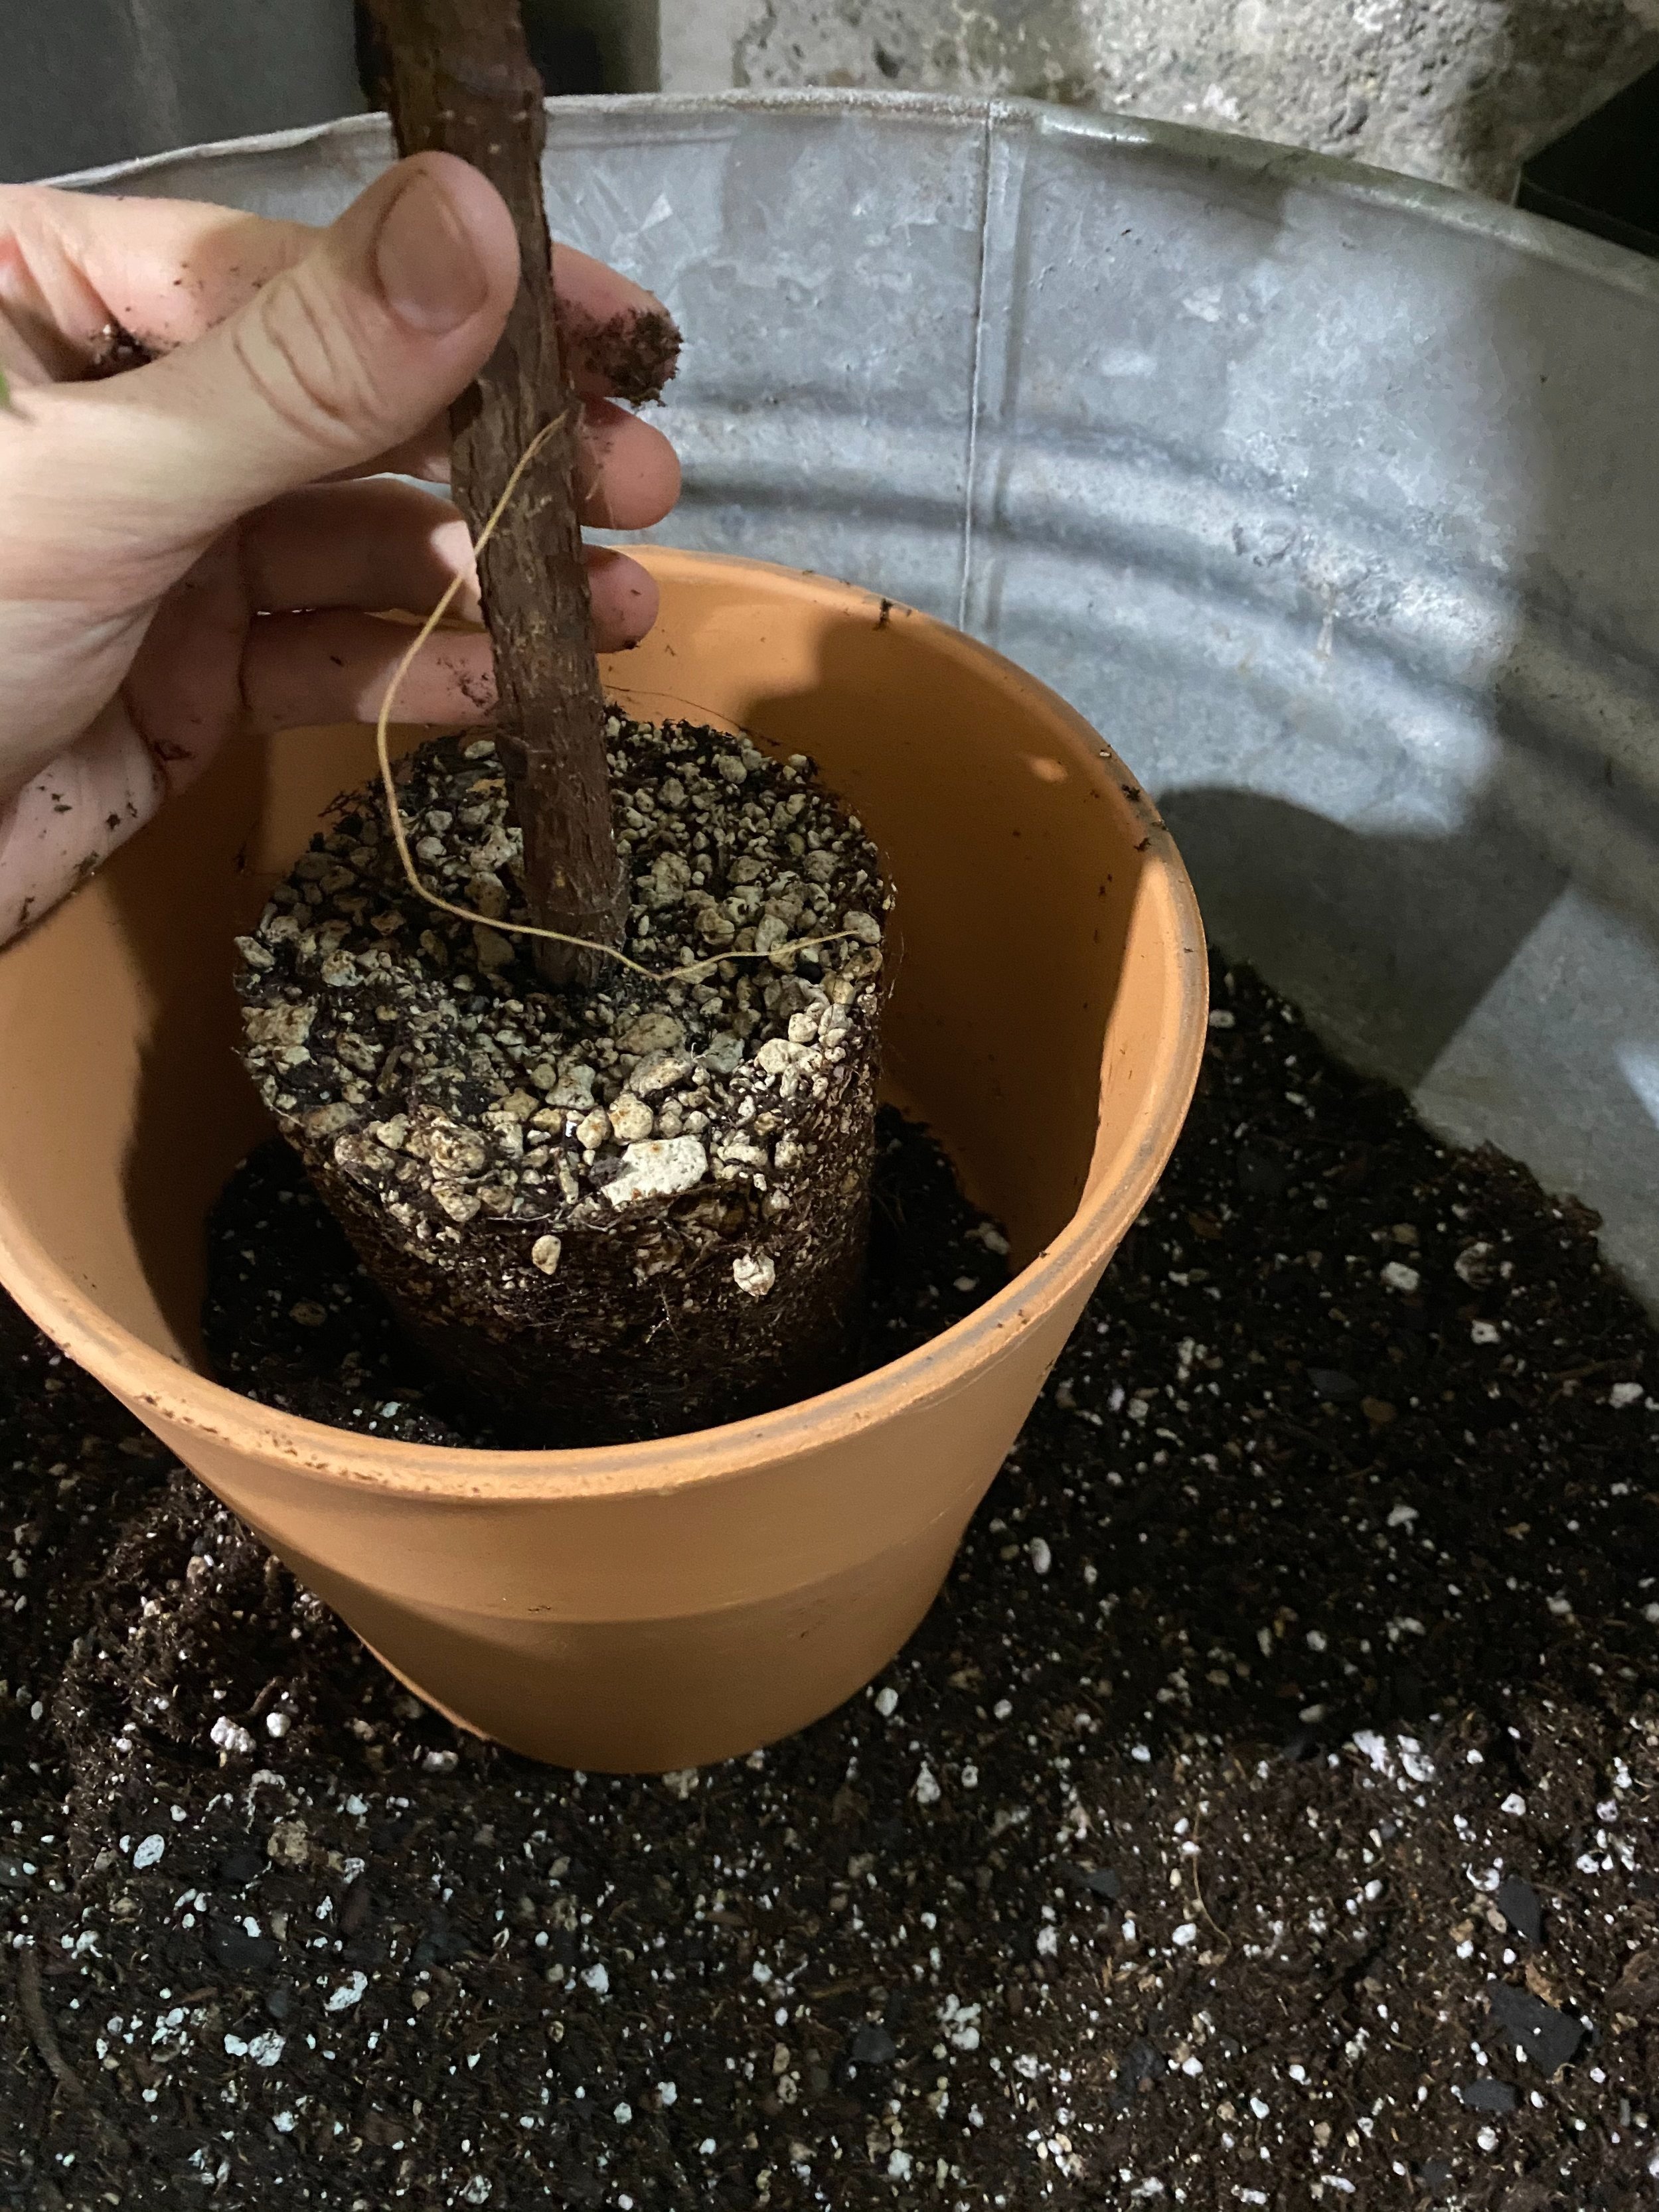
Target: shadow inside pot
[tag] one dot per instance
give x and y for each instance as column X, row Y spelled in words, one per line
column 187, row 887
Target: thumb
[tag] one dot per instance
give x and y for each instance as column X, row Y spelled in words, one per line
column 348, row 351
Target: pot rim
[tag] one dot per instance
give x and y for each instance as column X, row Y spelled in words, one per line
column 153, row 1380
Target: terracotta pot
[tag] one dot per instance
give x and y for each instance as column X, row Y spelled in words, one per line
column 648, row 1606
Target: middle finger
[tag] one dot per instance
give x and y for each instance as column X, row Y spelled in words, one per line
column 426, row 455
column 378, row 544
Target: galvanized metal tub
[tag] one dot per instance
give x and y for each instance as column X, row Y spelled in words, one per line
column 1331, row 498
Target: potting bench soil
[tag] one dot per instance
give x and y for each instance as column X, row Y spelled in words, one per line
column 1280, row 1762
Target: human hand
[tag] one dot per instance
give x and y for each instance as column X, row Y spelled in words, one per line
column 187, row 550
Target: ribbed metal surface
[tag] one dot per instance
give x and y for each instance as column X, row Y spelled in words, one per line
column 1330, row 497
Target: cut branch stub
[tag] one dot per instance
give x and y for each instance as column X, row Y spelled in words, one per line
column 462, row 84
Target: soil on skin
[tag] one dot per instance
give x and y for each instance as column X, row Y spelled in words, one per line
column 1264, row 1816
column 635, row 353
column 115, row 352
column 621, row 1212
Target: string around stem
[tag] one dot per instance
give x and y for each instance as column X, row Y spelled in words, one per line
column 394, row 812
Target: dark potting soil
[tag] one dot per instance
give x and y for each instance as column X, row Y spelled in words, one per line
column 291, row 1318
column 1264, row 1816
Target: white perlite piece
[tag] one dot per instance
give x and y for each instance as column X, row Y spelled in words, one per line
column 284, row 1025
column 263, row 2050
column 631, row 1119
column 655, row 1030
column 544, row 1254
column 723, row 1053
column 657, row 1072
column 751, row 1276
column 148, row 1852
column 594, row 1129
column 1473, row 1266
column 1399, row 1277
column 661, row 1167
column 778, row 1056
column 1405, row 1752
column 229, row 1737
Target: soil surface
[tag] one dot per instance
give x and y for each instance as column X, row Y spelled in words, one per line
column 1264, row 1816
column 620, row 1213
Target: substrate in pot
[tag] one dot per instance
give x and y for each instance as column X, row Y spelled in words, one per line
column 623, row 1211
column 291, row 1319
column 659, row 1605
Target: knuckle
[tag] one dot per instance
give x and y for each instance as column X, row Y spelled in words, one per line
column 302, row 357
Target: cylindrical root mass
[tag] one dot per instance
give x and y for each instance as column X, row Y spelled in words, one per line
column 620, row 1213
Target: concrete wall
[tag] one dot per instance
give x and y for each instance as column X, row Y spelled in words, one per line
column 1460, row 90
column 1457, row 89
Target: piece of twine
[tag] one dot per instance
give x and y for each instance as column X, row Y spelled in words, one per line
column 394, row 812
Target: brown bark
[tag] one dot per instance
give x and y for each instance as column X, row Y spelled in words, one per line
column 462, row 84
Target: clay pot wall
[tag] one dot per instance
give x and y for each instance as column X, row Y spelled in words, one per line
column 650, row 1606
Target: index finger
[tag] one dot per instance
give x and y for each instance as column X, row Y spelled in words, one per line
column 165, row 271
column 620, row 342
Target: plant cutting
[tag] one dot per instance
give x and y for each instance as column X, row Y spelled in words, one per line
column 575, row 1024
column 669, row 1600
